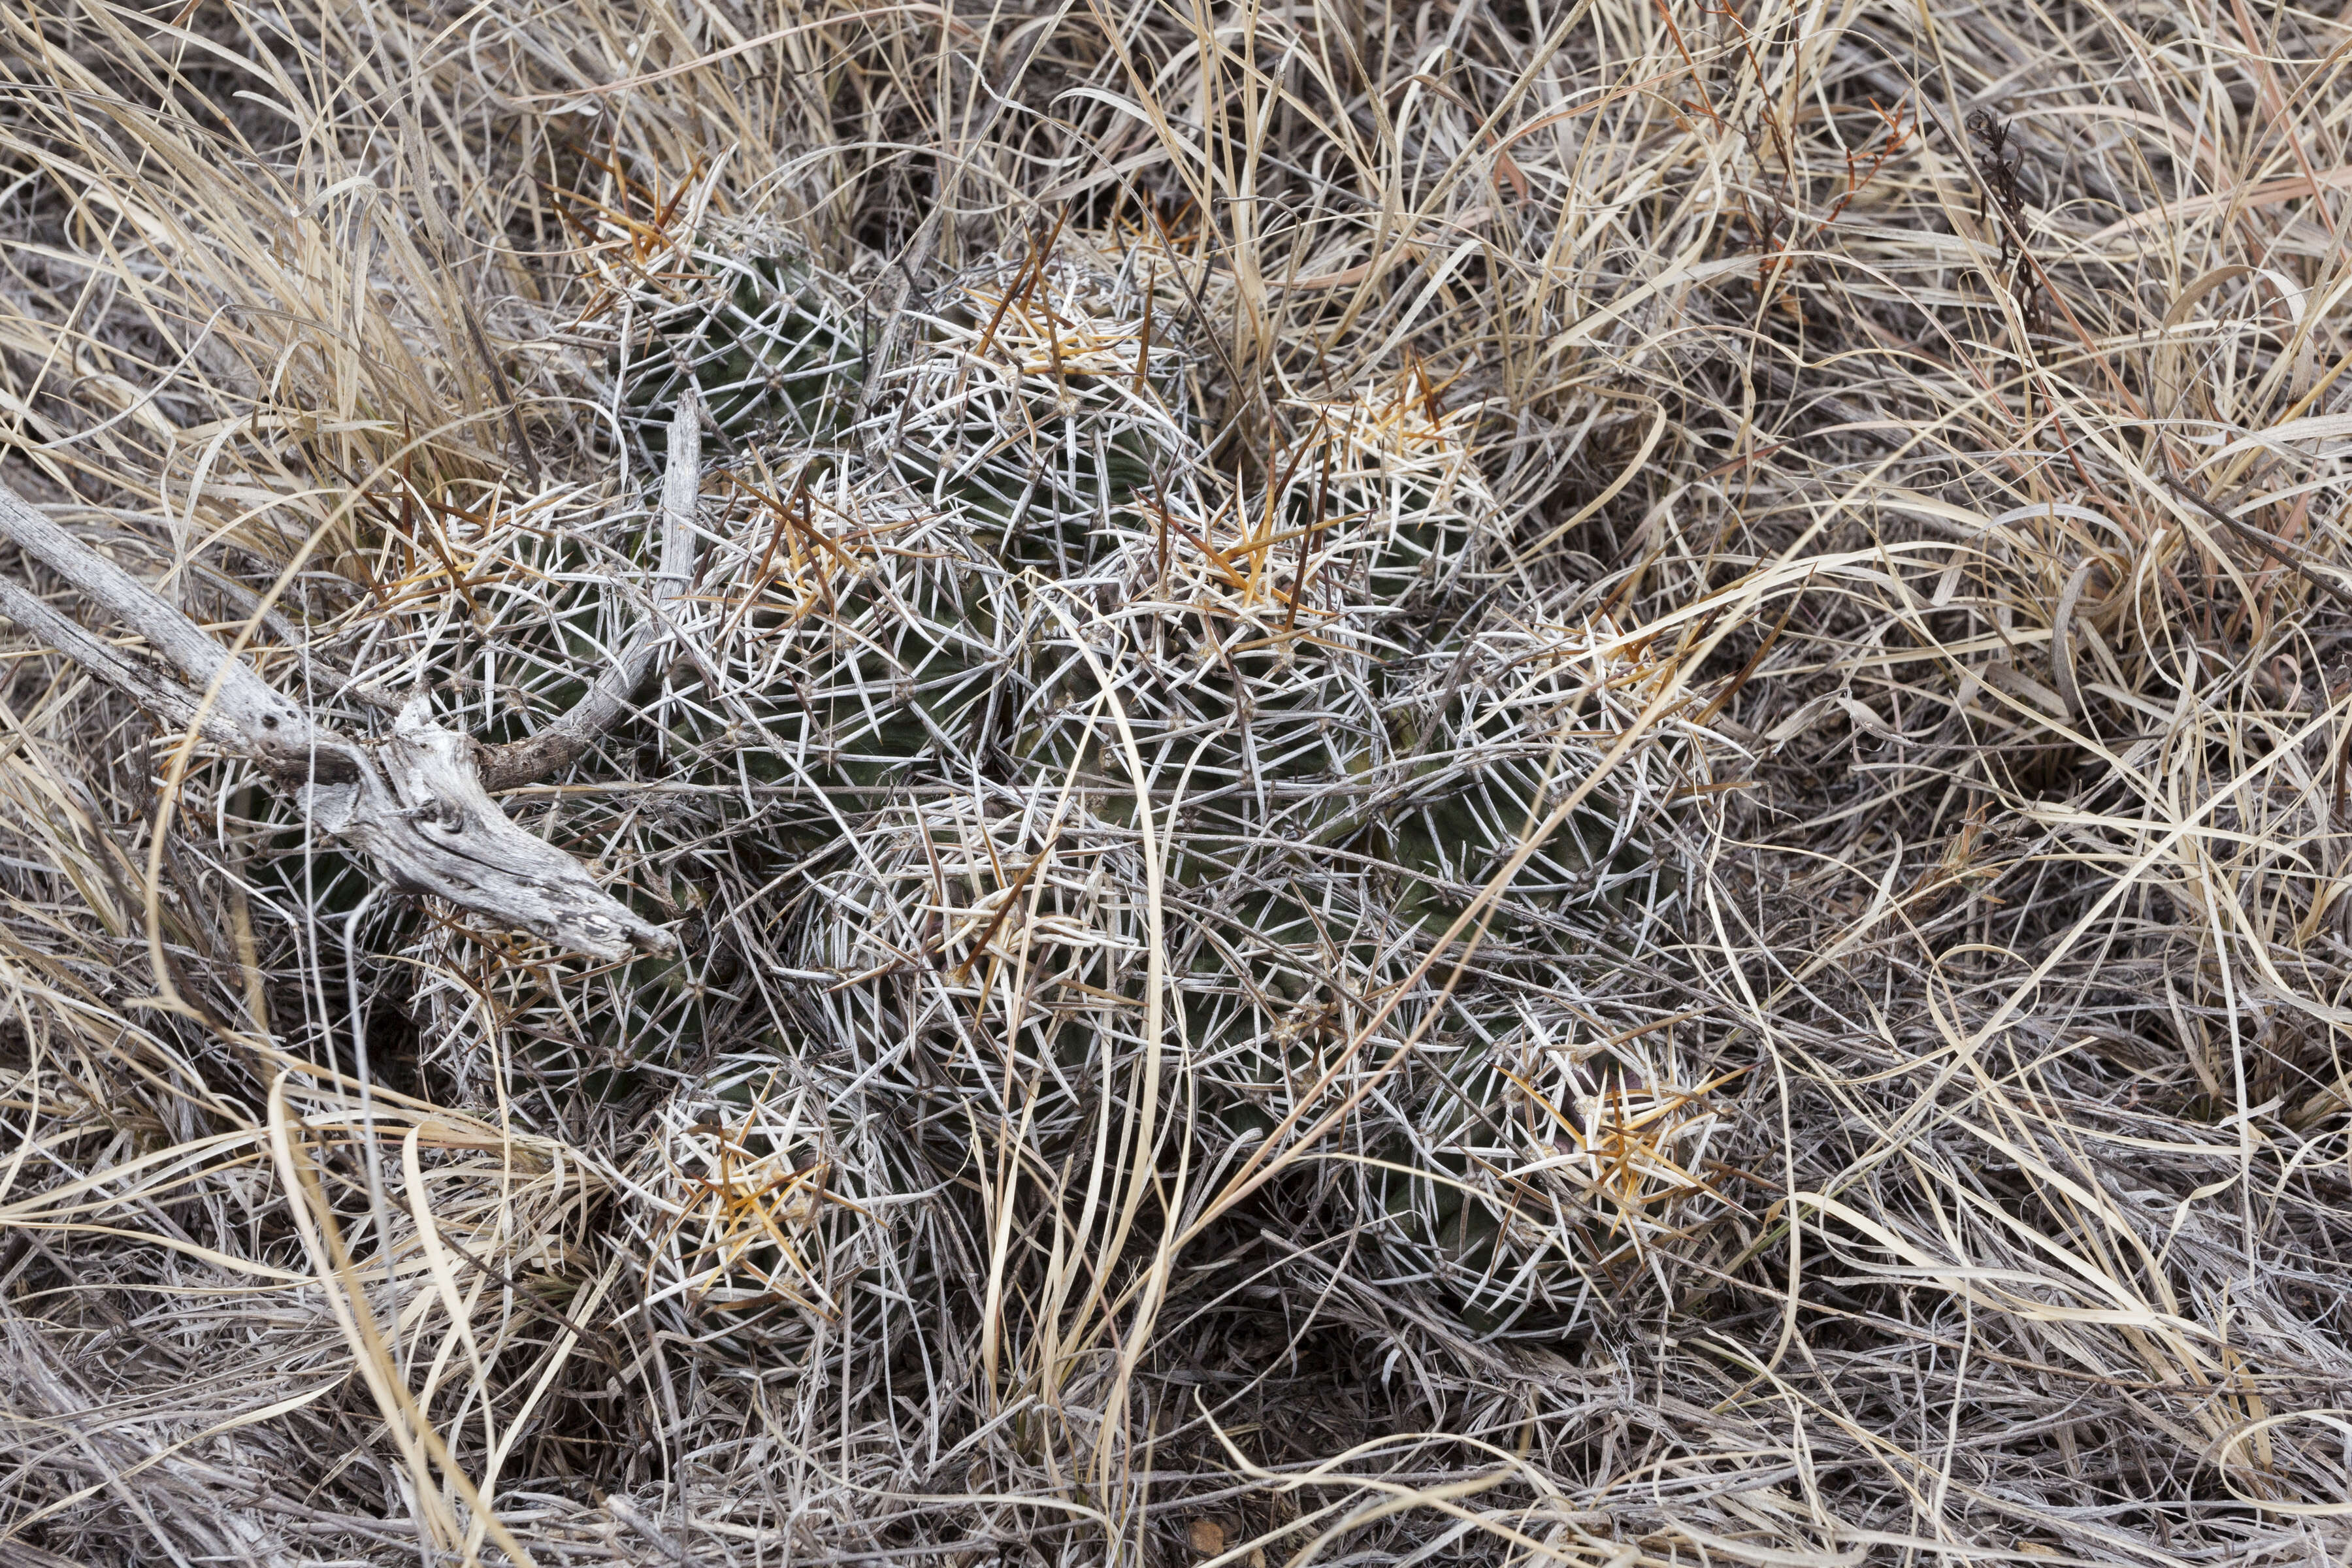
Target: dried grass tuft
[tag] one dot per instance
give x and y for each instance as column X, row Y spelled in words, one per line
column 1444, row 783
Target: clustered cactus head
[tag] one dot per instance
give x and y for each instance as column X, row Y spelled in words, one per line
column 1546, row 1168
column 1015, row 668
column 761, row 1196
column 988, row 948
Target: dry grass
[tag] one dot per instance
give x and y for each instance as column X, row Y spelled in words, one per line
column 1446, row 782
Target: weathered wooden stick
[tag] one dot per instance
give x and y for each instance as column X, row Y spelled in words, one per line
column 416, row 803
column 421, row 813
column 152, row 688
column 269, row 723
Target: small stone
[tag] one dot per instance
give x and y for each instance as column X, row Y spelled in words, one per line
column 1208, row 1537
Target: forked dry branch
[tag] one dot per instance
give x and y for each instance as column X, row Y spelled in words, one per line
column 416, row 802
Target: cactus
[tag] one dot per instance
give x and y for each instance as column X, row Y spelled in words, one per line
column 1544, row 1170
column 766, row 1206
column 932, row 632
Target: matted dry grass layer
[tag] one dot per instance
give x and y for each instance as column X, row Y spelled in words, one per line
column 1474, row 782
